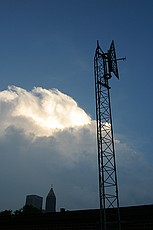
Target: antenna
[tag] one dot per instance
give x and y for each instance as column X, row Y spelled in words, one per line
column 112, row 60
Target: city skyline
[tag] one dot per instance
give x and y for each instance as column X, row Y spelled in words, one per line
column 36, row 201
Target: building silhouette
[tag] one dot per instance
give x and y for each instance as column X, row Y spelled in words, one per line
column 50, row 201
column 35, row 201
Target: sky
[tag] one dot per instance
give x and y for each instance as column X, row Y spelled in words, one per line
column 47, row 99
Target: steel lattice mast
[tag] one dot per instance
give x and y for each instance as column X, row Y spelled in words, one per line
column 104, row 65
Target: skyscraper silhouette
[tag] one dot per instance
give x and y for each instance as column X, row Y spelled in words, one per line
column 34, row 200
column 50, row 201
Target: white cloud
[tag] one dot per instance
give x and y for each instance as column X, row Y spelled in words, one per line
column 40, row 111
column 47, row 139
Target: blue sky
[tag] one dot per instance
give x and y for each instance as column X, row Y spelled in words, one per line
column 51, row 44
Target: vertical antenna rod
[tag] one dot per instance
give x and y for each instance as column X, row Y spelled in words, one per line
column 104, row 65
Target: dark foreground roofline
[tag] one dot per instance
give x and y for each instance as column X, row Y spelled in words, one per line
column 132, row 217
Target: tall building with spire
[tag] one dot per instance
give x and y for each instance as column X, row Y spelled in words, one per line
column 50, row 201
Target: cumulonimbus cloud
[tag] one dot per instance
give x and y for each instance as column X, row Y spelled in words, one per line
column 40, row 111
column 45, row 138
